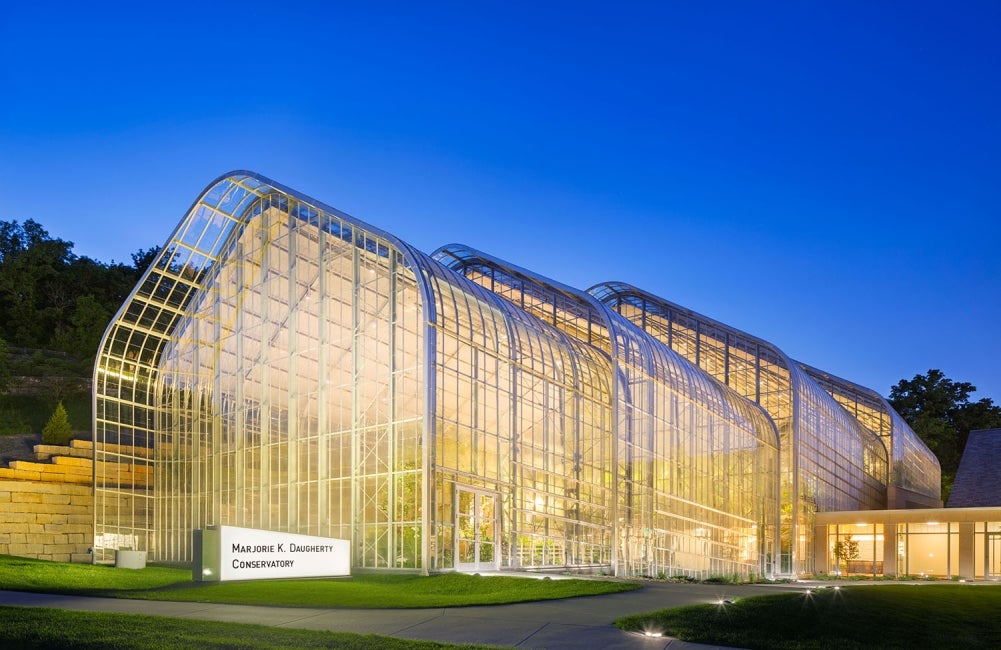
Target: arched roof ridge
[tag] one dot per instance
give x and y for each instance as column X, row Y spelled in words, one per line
column 512, row 315
column 465, row 253
column 417, row 259
column 657, row 356
column 604, row 290
column 624, row 288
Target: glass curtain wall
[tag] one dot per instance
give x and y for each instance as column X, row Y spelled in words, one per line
column 829, row 461
column 522, row 447
column 928, row 549
column 695, row 465
column 284, row 366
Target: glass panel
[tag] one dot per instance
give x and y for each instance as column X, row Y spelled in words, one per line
column 993, row 555
column 485, row 532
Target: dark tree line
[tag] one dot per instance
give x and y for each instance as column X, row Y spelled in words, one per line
column 942, row 413
column 53, row 299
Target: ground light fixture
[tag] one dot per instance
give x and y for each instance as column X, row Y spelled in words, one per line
column 649, row 632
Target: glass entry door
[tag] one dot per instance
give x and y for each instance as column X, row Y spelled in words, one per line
column 993, row 556
column 476, row 530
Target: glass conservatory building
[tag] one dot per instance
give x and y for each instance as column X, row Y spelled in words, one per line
column 837, row 438
column 284, row 366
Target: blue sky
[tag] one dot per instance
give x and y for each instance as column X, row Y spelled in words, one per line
column 824, row 175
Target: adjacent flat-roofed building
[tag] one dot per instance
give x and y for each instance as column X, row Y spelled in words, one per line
column 961, row 541
column 284, row 366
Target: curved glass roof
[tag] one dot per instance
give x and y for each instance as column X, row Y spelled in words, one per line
column 703, row 327
column 593, row 322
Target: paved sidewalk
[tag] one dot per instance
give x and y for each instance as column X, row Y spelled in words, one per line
column 559, row 624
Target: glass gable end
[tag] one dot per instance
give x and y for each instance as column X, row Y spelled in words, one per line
column 271, row 378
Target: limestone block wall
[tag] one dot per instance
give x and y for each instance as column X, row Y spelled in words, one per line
column 47, row 504
column 46, row 520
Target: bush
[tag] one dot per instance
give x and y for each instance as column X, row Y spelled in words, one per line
column 57, row 431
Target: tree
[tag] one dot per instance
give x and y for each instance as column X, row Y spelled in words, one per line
column 4, row 367
column 48, row 293
column 85, row 329
column 143, row 257
column 846, row 550
column 57, row 430
column 941, row 413
column 35, row 280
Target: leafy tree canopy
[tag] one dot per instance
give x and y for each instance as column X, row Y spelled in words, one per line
column 52, row 299
column 143, row 257
column 941, row 412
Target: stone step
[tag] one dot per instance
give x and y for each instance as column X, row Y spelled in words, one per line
column 78, row 470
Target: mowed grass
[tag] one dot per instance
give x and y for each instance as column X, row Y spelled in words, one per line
column 363, row 590
column 878, row 616
column 37, row 627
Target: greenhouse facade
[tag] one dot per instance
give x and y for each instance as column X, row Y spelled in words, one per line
column 839, row 441
column 286, row 367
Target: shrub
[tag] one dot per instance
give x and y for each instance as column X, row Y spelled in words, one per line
column 57, row 431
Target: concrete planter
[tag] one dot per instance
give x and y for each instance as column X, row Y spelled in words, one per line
column 130, row 559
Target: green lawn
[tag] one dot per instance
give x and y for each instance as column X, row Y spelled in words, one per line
column 364, row 590
column 38, row 627
column 878, row 616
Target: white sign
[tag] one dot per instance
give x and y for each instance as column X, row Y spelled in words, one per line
column 250, row 554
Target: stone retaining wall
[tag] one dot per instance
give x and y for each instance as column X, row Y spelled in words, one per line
column 46, row 520
column 47, row 504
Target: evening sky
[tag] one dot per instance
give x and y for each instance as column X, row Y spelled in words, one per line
column 823, row 175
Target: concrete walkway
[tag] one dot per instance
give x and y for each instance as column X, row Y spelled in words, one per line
column 570, row 623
